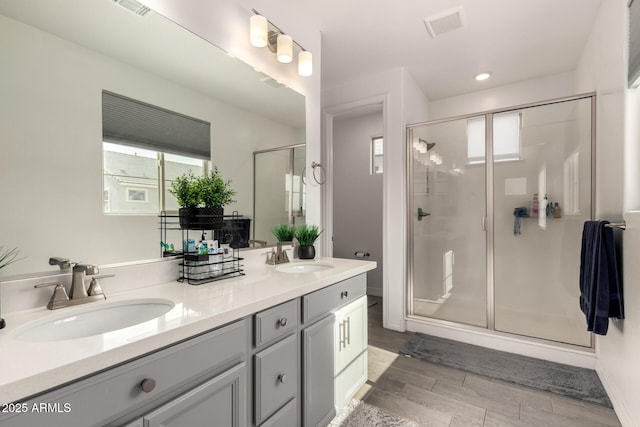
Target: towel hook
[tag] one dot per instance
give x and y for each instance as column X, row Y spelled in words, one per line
column 323, row 174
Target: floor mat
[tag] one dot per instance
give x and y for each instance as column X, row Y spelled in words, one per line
column 360, row 414
column 571, row 381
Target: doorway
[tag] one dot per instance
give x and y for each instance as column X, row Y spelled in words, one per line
column 358, row 150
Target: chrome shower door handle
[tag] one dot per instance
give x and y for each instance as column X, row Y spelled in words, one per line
column 422, row 213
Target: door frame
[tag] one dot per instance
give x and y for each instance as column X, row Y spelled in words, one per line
column 328, row 116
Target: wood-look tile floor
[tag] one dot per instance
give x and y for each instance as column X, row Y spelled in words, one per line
column 435, row 395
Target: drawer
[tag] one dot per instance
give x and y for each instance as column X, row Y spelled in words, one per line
column 118, row 392
column 276, row 377
column 285, row 417
column 319, row 303
column 275, row 322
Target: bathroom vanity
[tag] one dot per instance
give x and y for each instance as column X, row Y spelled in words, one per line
column 259, row 350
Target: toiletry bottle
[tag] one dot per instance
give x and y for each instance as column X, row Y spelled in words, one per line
column 545, row 204
column 557, row 212
column 535, row 206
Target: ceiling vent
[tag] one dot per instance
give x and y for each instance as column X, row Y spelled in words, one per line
column 445, row 22
column 133, row 6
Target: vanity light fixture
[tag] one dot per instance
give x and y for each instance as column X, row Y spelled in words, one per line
column 263, row 32
column 305, row 63
column 259, row 31
column 482, row 76
column 285, row 48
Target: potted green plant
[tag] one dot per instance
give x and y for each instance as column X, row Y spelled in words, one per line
column 306, row 235
column 215, row 193
column 284, row 232
column 202, row 200
column 7, row 257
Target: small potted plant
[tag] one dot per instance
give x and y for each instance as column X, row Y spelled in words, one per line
column 284, row 232
column 202, row 200
column 215, row 193
column 7, row 257
column 306, row 235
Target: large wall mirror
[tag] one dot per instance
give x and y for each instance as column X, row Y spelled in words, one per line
column 57, row 59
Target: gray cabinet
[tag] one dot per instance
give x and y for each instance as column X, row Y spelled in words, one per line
column 274, row 369
column 276, row 366
column 317, row 371
column 219, row 402
column 118, row 395
column 276, row 377
column 287, row 416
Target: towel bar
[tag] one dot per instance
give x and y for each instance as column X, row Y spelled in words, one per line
column 620, row 225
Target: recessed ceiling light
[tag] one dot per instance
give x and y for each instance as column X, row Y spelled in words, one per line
column 483, row 76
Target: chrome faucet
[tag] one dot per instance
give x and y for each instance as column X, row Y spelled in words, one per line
column 278, row 255
column 80, row 272
column 78, row 293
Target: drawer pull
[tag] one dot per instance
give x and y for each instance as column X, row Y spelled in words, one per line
column 282, row 322
column 282, row 378
column 147, row 385
column 344, row 294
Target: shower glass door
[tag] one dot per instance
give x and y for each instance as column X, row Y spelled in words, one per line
column 278, row 190
column 448, row 219
column 515, row 270
column 542, row 196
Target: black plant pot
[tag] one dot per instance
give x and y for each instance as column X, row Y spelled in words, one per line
column 306, row 252
column 201, row 218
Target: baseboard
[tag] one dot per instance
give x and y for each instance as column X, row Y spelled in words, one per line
column 622, row 411
column 539, row 350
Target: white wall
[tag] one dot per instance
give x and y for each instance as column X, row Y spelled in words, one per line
column 357, row 194
column 51, row 163
column 603, row 68
column 528, row 91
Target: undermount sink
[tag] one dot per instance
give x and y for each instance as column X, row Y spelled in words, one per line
column 303, row 267
column 93, row 320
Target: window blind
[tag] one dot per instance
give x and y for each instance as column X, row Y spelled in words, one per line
column 634, row 43
column 131, row 122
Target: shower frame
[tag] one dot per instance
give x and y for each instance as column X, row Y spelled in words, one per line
column 488, row 219
column 291, row 149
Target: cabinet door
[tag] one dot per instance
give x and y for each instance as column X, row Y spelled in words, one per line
column 350, row 333
column 219, row 402
column 276, row 377
column 318, row 385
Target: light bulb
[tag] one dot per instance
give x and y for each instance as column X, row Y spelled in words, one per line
column 305, row 63
column 258, row 29
column 285, row 48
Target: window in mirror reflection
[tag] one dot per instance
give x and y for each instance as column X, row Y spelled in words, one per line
column 376, row 155
column 132, row 182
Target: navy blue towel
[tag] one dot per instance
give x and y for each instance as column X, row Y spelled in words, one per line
column 600, row 290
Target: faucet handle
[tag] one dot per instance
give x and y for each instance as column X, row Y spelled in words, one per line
column 59, row 297
column 94, row 286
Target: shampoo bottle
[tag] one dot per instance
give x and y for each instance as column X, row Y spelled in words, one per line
column 535, row 206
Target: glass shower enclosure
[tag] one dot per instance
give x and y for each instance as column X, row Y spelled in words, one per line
column 278, row 190
column 497, row 203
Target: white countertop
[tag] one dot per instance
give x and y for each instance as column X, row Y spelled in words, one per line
column 28, row 368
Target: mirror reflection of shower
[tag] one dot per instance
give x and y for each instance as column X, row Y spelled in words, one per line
column 423, row 148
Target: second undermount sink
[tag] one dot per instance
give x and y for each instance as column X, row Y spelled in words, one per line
column 93, row 320
column 303, row 267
